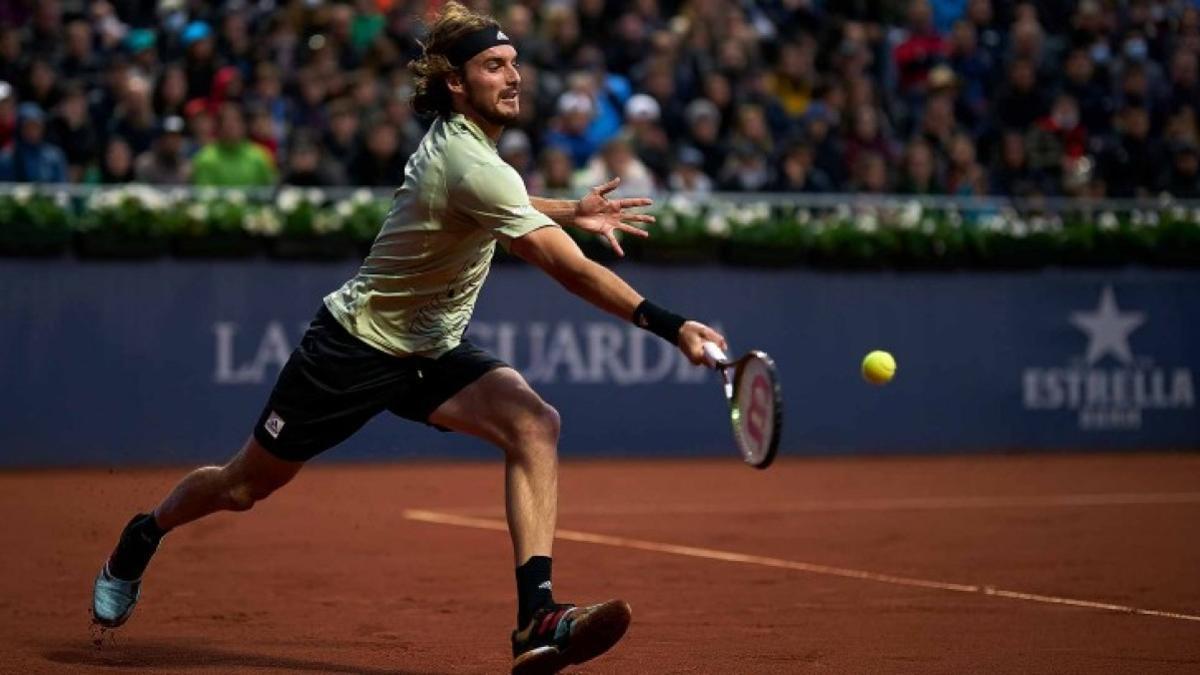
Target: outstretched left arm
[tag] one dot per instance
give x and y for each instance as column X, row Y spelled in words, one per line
column 595, row 212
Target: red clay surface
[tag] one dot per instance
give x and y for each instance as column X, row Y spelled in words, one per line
column 330, row 575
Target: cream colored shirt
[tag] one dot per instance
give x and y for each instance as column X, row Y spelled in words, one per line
column 416, row 290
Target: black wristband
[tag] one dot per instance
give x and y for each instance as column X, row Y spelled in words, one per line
column 663, row 323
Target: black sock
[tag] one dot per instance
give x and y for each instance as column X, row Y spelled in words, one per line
column 138, row 542
column 533, row 588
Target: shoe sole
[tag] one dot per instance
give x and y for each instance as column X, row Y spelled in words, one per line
column 590, row 637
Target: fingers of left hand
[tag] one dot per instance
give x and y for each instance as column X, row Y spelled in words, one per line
column 633, row 229
column 616, row 246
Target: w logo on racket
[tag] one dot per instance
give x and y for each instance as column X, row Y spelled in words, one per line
column 755, row 404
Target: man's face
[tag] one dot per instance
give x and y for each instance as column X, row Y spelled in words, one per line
column 491, row 83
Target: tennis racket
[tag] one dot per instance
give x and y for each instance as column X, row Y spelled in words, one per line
column 755, row 402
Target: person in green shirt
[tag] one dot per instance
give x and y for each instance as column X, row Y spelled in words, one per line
column 391, row 338
column 232, row 160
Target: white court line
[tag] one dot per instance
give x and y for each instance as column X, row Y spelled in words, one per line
column 844, row 572
column 880, row 504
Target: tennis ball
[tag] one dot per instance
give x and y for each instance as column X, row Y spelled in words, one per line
column 878, row 367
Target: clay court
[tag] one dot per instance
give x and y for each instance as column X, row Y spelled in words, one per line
column 1060, row 564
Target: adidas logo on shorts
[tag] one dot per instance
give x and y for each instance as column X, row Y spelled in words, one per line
column 274, row 424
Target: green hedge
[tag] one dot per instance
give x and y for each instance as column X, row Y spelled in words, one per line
column 139, row 221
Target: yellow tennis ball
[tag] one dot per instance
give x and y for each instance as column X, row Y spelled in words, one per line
column 878, row 367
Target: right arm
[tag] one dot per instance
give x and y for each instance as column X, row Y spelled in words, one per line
column 555, row 253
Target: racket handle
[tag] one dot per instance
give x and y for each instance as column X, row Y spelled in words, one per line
column 714, row 354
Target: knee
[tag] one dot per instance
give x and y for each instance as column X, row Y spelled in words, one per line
column 537, row 428
column 243, row 493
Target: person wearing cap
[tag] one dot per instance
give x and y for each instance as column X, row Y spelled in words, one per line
column 166, row 163
column 31, row 159
column 570, row 129
column 392, row 338
column 646, row 135
column 199, row 57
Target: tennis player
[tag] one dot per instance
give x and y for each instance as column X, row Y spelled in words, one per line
column 391, row 338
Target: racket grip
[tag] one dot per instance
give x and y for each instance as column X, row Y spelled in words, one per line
column 714, row 354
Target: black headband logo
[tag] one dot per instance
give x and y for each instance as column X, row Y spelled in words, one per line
column 472, row 43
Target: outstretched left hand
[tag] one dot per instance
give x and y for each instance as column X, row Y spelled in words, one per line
column 597, row 213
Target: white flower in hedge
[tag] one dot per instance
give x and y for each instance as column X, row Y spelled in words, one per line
column 1018, row 229
column 314, row 195
column 740, row 216
column 61, row 199
column 197, row 211
column 22, row 193
column 910, row 215
column 326, row 222
column 344, row 208
column 867, row 222
column 928, row 226
column 683, row 205
column 288, row 199
column 237, row 197
column 1196, row 216
column 667, row 221
column 842, row 212
column 716, row 224
column 362, row 196
column 1152, row 218
column 803, row 216
column 1107, row 221
column 954, row 218
column 1179, row 213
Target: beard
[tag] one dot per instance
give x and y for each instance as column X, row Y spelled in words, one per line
column 487, row 107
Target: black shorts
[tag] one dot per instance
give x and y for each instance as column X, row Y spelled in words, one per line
column 333, row 383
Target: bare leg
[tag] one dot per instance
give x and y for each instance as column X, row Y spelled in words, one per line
column 251, row 475
column 501, row 408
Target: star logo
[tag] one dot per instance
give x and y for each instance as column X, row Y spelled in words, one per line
column 1108, row 328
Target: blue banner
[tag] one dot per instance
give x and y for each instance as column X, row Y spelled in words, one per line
column 171, row 361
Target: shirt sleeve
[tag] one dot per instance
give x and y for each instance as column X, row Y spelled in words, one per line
column 494, row 196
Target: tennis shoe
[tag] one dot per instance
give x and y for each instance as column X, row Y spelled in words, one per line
column 561, row 635
column 113, row 599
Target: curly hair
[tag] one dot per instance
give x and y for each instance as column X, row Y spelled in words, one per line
column 430, row 95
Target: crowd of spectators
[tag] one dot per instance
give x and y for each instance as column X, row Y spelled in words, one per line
column 962, row 97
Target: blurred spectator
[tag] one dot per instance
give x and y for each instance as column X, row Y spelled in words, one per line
column 964, row 175
column 647, row 136
column 746, row 170
column 570, row 132
column 41, row 84
column 116, row 164
column 170, row 91
column 704, row 134
column 820, row 132
column 134, row 119
column 79, row 60
column 166, row 163
column 918, row 173
column 341, row 139
column 232, row 159
column 8, row 114
column 381, row 163
column 32, row 159
column 515, row 149
column 1011, row 174
column 71, row 130
column 1132, row 162
column 1020, row 101
column 1056, row 138
column 555, row 170
column 1184, row 181
column 921, row 49
column 687, row 175
column 617, row 159
column 866, row 136
column 200, row 62
column 870, row 174
column 797, row 173
column 307, row 165
column 1090, row 90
